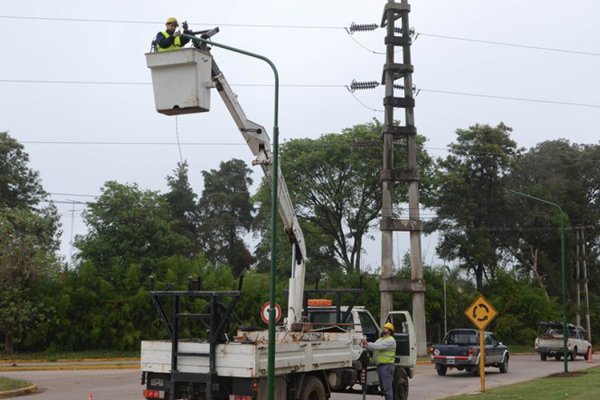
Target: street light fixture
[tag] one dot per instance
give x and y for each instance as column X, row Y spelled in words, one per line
column 562, row 269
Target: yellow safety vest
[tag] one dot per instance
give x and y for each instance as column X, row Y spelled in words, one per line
column 386, row 356
column 175, row 46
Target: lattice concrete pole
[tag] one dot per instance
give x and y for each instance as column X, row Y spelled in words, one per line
column 387, row 235
column 416, row 264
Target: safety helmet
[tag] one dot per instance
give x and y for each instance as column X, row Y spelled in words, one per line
column 172, row 20
column 389, row 326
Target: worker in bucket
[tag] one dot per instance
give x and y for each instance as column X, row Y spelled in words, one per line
column 384, row 354
column 170, row 38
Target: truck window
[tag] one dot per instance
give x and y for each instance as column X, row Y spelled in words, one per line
column 462, row 338
column 369, row 327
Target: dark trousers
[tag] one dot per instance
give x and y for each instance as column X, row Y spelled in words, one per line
column 386, row 380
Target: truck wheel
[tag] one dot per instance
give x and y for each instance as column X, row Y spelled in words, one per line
column 543, row 356
column 441, row 369
column 400, row 384
column 504, row 366
column 557, row 357
column 313, row 389
column 573, row 354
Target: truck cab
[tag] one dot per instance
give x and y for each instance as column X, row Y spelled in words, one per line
column 359, row 319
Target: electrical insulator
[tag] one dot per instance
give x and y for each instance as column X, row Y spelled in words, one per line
column 362, row 27
column 363, row 85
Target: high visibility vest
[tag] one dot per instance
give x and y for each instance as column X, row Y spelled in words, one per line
column 386, row 356
column 175, row 46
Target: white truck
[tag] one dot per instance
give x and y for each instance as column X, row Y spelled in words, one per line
column 550, row 342
column 317, row 350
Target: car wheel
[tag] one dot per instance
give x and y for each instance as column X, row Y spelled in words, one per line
column 557, row 357
column 573, row 354
column 400, row 384
column 586, row 356
column 504, row 366
column 543, row 356
column 441, row 369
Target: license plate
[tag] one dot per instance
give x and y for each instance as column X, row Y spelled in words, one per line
column 450, row 361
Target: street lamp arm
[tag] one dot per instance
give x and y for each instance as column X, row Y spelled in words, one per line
column 563, row 217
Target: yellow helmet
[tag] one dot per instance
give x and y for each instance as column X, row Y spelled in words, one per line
column 172, row 20
column 389, row 326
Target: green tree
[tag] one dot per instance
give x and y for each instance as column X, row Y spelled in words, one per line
column 127, row 226
column 226, row 214
column 334, row 181
column 471, row 200
column 20, row 186
column 27, row 261
column 182, row 202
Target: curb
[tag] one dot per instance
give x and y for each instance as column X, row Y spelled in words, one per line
column 19, row 392
column 66, row 367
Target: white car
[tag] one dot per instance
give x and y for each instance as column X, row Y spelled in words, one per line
column 550, row 342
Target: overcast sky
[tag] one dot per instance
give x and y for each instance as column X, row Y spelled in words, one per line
column 74, row 71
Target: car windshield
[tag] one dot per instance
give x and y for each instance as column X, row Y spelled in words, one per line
column 462, row 338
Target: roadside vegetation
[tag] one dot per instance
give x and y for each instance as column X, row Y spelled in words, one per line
column 580, row 385
column 12, row 384
column 50, row 356
column 494, row 243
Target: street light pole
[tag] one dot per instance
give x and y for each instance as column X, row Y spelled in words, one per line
column 562, row 269
column 274, row 208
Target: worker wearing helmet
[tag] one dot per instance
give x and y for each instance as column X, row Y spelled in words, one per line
column 384, row 354
column 170, row 38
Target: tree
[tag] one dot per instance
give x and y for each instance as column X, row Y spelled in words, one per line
column 183, row 206
column 19, row 185
column 127, row 226
column 566, row 174
column 471, row 200
column 28, row 244
column 27, row 261
column 226, row 214
column 334, row 181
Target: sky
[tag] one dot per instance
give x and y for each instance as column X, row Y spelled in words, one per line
column 77, row 94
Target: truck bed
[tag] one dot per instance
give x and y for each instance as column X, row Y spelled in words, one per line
column 301, row 353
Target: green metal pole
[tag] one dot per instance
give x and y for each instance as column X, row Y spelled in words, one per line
column 274, row 207
column 562, row 270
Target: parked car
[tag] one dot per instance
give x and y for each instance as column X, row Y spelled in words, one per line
column 550, row 342
column 460, row 350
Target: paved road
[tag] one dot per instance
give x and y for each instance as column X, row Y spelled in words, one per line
column 426, row 385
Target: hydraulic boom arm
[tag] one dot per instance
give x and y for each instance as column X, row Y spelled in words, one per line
column 260, row 144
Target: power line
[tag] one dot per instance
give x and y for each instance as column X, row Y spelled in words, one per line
column 308, row 85
column 507, row 44
column 114, row 21
column 131, row 143
column 280, row 26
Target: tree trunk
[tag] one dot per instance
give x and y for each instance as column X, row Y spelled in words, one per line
column 8, row 343
column 537, row 278
column 479, row 277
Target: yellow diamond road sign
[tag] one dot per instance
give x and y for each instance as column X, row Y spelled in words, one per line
column 481, row 312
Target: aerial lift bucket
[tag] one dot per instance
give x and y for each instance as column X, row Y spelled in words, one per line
column 181, row 80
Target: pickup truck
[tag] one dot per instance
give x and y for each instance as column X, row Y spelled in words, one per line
column 460, row 350
column 549, row 342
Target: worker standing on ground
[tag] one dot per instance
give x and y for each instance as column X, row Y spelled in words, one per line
column 170, row 38
column 384, row 354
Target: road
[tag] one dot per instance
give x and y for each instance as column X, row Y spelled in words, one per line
column 124, row 384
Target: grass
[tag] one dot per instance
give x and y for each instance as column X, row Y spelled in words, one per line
column 580, row 385
column 66, row 355
column 11, row 384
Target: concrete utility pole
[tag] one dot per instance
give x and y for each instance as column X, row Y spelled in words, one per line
column 393, row 71
column 581, row 256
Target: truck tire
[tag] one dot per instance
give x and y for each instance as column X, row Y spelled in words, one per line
column 573, row 354
column 441, row 369
column 313, row 389
column 543, row 356
column 504, row 366
column 400, row 384
column 557, row 357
